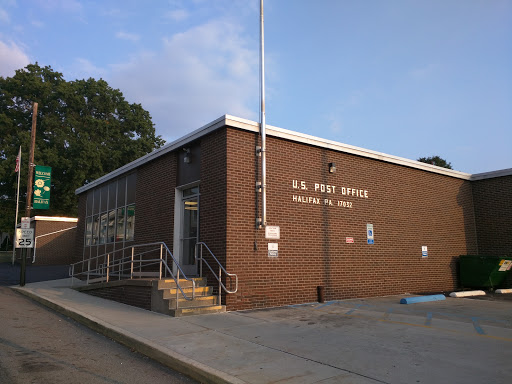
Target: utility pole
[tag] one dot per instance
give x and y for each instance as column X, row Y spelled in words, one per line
column 29, row 188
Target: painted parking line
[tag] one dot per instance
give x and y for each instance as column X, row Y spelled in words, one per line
column 478, row 329
column 428, row 321
column 355, row 308
column 326, row 304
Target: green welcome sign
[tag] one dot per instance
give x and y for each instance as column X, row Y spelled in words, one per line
column 42, row 180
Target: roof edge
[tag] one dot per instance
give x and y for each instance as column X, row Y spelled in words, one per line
column 340, row 147
column 194, row 135
column 492, row 174
column 55, row 218
column 252, row 126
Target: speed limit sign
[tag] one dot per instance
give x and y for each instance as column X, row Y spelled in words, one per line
column 24, row 237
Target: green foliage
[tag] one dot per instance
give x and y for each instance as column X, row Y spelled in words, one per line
column 436, row 160
column 85, row 129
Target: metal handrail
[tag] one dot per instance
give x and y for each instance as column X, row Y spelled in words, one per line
column 101, row 268
column 221, row 269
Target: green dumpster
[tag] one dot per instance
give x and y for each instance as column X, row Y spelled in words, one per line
column 483, row 271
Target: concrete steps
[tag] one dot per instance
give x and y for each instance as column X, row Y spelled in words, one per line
column 204, row 302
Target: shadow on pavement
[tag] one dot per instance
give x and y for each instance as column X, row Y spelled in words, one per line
column 10, row 274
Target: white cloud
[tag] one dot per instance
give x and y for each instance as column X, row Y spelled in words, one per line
column 84, row 69
column 198, row 76
column 177, row 15
column 37, row 23
column 4, row 16
column 12, row 57
column 423, row 72
column 128, row 36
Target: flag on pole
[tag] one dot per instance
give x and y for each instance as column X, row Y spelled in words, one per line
column 18, row 162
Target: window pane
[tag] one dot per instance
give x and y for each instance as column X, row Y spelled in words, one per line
column 88, row 231
column 96, row 202
column 112, row 187
column 121, row 192
column 189, row 246
column 131, row 182
column 103, row 228
column 111, row 226
column 104, row 198
column 120, row 225
column 191, row 191
column 130, row 222
column 95, row 229
column 190, row 218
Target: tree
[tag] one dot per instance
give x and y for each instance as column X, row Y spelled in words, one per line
column 85, row 129
column 436, row 160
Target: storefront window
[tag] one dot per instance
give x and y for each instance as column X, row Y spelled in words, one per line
column 88, row 231
column 131, row 181
column 120, row 225
column 111, row 235
column 130, row 222
column 110, row 212
column 103, row 228
column 95, row 229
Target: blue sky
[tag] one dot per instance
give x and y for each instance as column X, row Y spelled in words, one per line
column 405, row 77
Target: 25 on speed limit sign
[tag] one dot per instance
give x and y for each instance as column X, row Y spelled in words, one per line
column 24, row 237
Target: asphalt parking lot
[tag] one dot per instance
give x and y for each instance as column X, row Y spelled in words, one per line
column 374, row 340
column 457, row 340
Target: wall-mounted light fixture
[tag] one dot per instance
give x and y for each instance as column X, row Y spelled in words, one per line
column 332, row 167
column 186, row 158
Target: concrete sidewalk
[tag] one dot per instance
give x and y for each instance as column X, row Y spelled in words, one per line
column 353, row 341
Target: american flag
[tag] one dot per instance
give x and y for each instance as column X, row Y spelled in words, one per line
column 18, row 162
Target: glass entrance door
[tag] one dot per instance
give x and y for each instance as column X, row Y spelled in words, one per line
column 189, row 230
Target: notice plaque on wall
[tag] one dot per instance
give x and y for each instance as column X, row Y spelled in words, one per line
column 272, row 232
column 273, row 250
column 369, row 234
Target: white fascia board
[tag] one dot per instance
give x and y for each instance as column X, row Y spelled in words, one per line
column 55, row 218
column 490, row 175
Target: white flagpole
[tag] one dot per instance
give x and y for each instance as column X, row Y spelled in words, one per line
column 263, row 125
column 17, row 204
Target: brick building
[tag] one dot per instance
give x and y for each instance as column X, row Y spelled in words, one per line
column 351, row 220
column 55, row 239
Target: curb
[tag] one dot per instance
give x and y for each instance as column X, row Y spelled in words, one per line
column 169, row 358
column 421, row 299
column 467, row 293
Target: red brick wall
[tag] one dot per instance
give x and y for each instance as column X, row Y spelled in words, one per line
column 213, row 202
column 56, row 249
column 408, row 208
column 493, row 212
column 154, row 208
column 136, row 296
